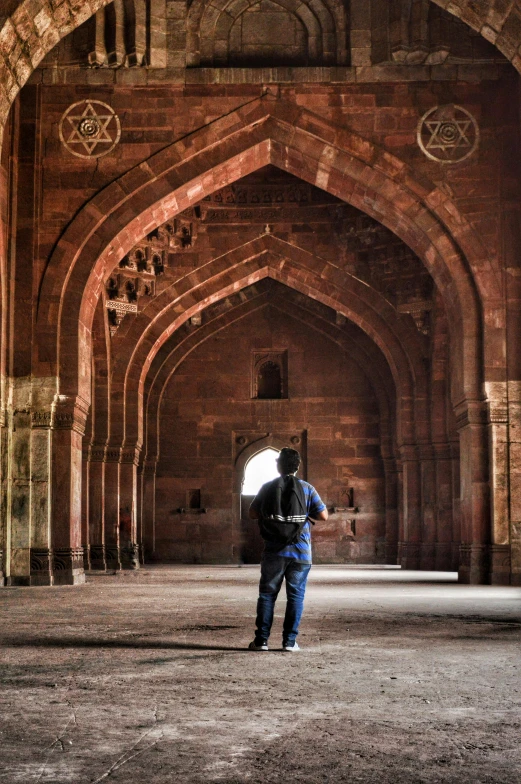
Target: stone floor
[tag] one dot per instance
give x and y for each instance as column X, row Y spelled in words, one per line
column 143, row 677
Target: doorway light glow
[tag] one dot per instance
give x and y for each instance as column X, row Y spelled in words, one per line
column 260, row 468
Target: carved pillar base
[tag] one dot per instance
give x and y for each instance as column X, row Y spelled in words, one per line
column 428, row 556
column 500, row 573
column 68, row 566
column 112, row 558
column 443, row 561
column 2, row 574
column 391, row 553
column 409, row 555
column 86, row 558
column 56, row 567
column 41, row 567
column 98, row 559
column 129, row 557
column 474, row 564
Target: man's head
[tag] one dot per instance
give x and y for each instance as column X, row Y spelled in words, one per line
column 288, row 461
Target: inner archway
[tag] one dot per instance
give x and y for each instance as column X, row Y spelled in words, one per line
column 260, row 468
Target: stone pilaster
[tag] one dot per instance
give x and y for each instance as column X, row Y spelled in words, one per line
column 111, row 508
column 428, row 506
column 443, row 508
column 129, row 550
column 410, row 547
column 69, row 417
column 391, row 512
column 471, row 419
column 514, row 404
column 498, row 425
column 148, row 519
column 96, row 510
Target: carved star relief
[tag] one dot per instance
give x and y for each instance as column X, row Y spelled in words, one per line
column 448, row 134
column 90, row 129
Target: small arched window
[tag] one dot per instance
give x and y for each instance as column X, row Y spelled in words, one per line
column 269, row 381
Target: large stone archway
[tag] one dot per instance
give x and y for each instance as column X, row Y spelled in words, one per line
column 255, row 135
column 342, row 163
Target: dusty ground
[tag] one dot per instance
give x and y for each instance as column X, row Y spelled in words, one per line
column 143, row 677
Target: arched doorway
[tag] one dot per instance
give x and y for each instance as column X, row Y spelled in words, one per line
column 259, row 469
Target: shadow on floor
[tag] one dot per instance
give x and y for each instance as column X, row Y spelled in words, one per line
column 38, row 642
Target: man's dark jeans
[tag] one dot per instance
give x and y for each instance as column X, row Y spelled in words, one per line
column 274, row 569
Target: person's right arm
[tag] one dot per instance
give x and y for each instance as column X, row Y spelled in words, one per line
column 317, row 508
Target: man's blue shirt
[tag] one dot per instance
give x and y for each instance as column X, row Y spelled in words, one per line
column 301, row 550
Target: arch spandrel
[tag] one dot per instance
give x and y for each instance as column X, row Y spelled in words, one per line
column 35, row 27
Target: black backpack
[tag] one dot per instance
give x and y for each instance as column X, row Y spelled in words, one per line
column 283, row 511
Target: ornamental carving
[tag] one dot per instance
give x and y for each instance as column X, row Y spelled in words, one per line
column 41, row 419
column 90, row 129
column 447, row 134
column 68, row 558
column 137, row 272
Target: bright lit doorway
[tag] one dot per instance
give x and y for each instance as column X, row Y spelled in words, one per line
column 260, row 468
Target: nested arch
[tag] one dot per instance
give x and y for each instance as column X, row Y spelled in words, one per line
column 301, row 271
column 357, row 345
column 260, row 133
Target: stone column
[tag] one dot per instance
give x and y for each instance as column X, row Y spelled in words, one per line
column 3, row 516
column 514, row 402
column 129, row 550
column 96, row 496
column 428, row 507
column 18, row 500
column 85, row 469
column 68, row 427
column 444, row 508
column 42, row 563
column 148, row 519
column 471, row 416
column 411, row 543
column 391, row 511
column 28, row 482
column 499, row 459
column 456, row 505
column 111, row 508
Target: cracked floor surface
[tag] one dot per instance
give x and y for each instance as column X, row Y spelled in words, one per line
column 143, row 677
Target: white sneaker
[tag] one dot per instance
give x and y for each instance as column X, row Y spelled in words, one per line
column 254, row 647
column 291, row 648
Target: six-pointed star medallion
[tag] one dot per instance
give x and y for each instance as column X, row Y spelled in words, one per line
column 90, row 129
column 448, row 134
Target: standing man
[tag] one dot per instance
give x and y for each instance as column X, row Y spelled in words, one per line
column 284, row 508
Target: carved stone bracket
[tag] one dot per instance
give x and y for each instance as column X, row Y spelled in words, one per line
column 117, row 310
column 420, row 312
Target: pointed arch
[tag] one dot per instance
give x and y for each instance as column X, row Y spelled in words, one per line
column 259, row 133
column 271, row 257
